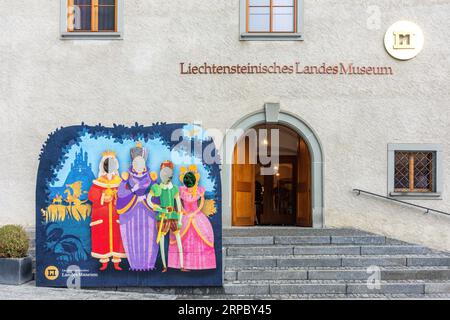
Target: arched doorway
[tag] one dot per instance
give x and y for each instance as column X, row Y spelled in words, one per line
column 267, row 193
column 271, row 114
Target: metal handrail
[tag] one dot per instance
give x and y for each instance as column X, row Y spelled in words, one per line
column 428, row 210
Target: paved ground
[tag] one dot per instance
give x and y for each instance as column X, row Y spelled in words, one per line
column 325, row 297
column 30, row 292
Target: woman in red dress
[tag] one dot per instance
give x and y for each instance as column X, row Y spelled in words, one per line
column 105, row 227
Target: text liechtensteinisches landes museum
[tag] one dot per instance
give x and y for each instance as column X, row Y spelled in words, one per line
column 344, row 69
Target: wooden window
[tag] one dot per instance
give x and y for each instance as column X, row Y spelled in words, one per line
column 271, row 16
column 414, row 171
column 92, row 15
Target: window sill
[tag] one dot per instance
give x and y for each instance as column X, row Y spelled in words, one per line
column 91, row 36
column 271, row 37
column 417, row 195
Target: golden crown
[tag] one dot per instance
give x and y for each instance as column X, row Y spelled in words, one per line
column 192, row 168
column 109, row 153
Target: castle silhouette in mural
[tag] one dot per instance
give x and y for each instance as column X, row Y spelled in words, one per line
column 81, row 171
column 70, row 199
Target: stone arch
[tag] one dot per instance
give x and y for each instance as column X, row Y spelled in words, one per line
column 274, row 115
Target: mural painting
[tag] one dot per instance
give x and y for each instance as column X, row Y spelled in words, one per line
column 128, row 206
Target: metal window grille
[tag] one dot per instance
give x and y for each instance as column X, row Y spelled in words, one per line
column 414, row 171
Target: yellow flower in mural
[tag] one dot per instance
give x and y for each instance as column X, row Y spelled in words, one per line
column 209, row 208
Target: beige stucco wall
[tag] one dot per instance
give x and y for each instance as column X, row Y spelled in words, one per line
column 46, row 83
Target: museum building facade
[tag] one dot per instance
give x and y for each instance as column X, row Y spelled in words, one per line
column 357, row 93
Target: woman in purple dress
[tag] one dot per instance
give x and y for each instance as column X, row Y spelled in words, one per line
column 137, row 220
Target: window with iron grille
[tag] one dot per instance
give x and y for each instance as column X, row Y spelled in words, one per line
column 91, row 18
column 415, row 170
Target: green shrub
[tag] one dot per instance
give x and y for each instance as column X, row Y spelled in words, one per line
column 13, row 242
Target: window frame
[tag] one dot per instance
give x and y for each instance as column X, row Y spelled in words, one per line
column 267, row 36
column 91, row 35
column 436, row 149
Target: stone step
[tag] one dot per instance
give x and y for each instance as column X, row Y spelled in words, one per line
column 334, row 287
column 32, row 242
column 363, row 240
column 266, row 274
column 391, row 288
column 386, row 288
column 289, row 231
column 393, row 260
column 387, row 273
column 280, row 287
column 441, row 260
column 337, row 261
column 31, row 235
column 325, row 250
column 256, row 261
column 394, row 249
column 289, row 240
column 31, row 232
column 259, row 250
column 228, row 241
column 371, row 296
column 32, row 253
column 437, row 288
column 304, row 240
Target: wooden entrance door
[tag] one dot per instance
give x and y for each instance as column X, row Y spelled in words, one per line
column 280, row 194
column 304, row 207
column 243, row 205
column 273, row 200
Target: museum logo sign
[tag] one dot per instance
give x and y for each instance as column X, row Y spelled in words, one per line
column 404, row 40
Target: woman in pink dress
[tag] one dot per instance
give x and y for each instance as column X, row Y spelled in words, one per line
column 197, row 236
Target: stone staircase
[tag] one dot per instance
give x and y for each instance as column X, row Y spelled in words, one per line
column 296, row 263
column 32, row 249
column 329, row 263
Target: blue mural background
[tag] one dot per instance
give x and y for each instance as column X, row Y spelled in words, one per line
column 72, row 155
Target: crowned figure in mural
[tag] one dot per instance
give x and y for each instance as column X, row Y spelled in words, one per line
column 169, row 218
column 105, row 229
column 197, row 234
column 137, row 219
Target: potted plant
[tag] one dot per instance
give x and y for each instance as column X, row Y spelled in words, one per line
column 16, row 266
